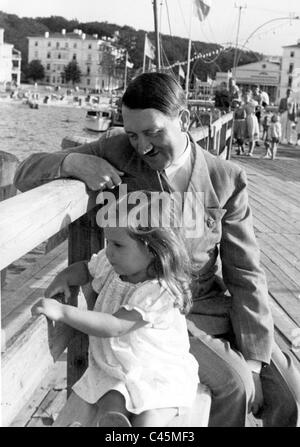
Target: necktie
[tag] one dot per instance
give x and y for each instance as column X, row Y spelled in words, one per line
column 164, row 182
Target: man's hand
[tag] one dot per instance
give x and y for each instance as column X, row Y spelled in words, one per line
column 95, row 172
column 50, row 308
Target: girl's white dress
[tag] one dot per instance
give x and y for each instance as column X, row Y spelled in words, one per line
column 150, row 366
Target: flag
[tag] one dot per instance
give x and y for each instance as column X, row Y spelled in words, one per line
column 201, row 9
column 181, row 72
column 129, row 64
column 149, row 48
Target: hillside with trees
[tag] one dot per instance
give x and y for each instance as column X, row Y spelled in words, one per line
column 174, row 48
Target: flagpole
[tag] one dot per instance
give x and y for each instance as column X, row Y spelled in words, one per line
column 144, row 58
column 125, row 73
column 156, row 35
column 189, row 52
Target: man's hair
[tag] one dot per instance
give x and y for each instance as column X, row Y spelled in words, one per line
column 158, row 91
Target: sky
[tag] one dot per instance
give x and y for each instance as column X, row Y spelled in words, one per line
column 220, row 26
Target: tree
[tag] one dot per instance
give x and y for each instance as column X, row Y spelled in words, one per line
column 72, row 72
column 35, row 70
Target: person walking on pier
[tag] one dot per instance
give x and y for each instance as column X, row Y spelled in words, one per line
column 275, row 135
column 287, row 116
column 231, row 325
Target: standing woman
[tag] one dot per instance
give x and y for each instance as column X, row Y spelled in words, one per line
column 252, row 128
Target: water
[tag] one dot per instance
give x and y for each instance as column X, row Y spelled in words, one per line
column 24, row 131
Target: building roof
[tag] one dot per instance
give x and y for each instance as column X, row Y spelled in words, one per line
column 295, row 45
column 73, row 35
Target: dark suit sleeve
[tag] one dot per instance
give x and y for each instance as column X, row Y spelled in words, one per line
column 43, row 167
column 250, row 315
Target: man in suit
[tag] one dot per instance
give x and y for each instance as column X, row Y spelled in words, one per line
column 287, row 107
column 230, row 323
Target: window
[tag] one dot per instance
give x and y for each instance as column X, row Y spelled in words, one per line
column 47, row 79
column 290, row 81
column 48, row 55
column 74, row 57
column 88, row 82
column 88, row 70
column 90, row 46
column 49, row 44
column 53, row 79
column 59, row 56
column 75, row 45
column 66, row 45
column 291, row 68
column 48, row 66
column 57, row 44
column 264, row 66
column 292, row 53
column 36, row 44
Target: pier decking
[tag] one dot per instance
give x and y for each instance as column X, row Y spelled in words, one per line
column 274, row 194
column 274, row 191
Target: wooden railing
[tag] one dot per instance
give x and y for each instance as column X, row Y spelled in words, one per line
column 26, row 221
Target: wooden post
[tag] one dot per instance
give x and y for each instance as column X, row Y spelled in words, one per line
column 85, row 238
column 8, row 165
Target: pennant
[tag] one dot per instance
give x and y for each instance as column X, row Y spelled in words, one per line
column 201, row 9
column 181, row 72
column 149, row 48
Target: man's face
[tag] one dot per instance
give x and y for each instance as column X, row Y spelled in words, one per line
column 157, row 138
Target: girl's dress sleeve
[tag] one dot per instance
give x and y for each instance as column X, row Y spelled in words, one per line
column 99, row 267
column 152, row 301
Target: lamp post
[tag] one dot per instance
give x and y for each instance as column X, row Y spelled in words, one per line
column 258, row 28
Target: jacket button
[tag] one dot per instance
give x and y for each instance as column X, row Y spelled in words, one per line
column 210, row 222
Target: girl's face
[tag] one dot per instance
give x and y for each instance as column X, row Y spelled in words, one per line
column 128, row 257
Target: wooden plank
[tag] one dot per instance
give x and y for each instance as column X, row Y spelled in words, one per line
column 284, row 327
column 27, row 359
column 34, row 279
column 282, row 290
column 85, row 238
column 56, row 379
column 280, row 263
column 32, row 217
column 77, row 410
column 285, row 214
column 49, row 409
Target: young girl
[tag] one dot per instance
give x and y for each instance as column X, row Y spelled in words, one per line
column 140, row 369
column 275, row 135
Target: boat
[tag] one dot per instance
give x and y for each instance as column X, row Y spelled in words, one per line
column 98, row 120
column 33, row 104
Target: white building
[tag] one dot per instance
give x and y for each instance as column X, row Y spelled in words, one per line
column 290, row 70
column 95, row 57
column 10, row 63
column 264, row 74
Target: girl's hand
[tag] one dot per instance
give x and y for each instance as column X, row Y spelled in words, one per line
column 59, row 286
column 52, row 309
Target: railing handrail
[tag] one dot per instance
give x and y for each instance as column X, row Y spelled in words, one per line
column 30, row 218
